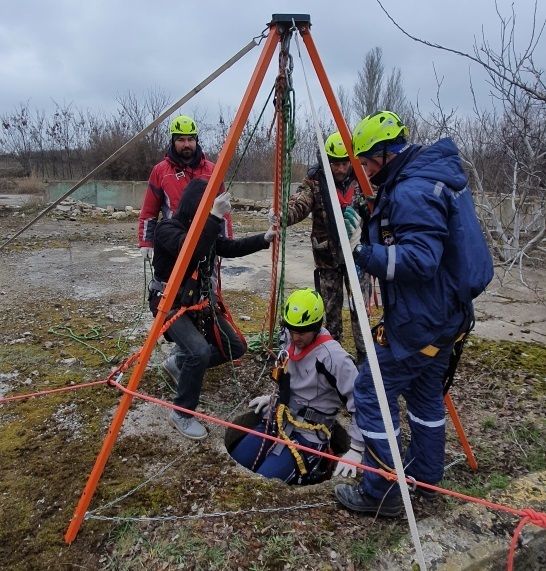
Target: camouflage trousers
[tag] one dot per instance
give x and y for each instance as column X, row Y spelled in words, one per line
column 331, row 283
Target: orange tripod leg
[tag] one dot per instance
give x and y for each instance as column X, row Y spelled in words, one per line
column 176, row 278
column 366, row 188
column 336, row 111
column 470, row 458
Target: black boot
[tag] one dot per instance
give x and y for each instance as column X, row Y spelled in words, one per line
column 352, row 498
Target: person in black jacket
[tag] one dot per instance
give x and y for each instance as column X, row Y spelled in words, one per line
column 207, row 337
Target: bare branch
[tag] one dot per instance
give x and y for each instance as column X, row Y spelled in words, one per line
column 492, row 63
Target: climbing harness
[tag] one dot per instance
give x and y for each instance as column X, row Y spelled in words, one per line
column 281, row 422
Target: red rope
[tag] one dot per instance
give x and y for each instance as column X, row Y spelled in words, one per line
column 529, row 516
column 526, row 515
column 60, row 390
column 388, row 475
column 124, row 366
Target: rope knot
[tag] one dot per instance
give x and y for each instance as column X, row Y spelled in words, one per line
column 534, row 517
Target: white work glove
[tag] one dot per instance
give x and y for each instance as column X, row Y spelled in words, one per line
column 272, row 218
column 271, row 234
column 147, row 253
column 352, row 224
column 261, row 402
column 354, row 454
column 354, row 240
column 222, row 205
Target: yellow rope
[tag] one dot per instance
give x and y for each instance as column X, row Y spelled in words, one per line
column 281, row 412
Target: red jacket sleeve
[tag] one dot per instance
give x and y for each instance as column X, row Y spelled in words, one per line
column 151, row 206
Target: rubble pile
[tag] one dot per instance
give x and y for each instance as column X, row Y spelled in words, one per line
column 73, row 209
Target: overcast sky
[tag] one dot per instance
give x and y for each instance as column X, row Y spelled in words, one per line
column 89, row 53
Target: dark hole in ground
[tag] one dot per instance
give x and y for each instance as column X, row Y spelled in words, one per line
column 339, row 443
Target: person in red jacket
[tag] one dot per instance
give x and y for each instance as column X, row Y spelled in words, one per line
column 183, row 162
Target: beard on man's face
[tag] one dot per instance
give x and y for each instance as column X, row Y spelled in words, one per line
column 186, row 153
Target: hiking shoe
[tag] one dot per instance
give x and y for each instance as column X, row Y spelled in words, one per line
column 352, row 498
column 188, row 426
column 171, row 368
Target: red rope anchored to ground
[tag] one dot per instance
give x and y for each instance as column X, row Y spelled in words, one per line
column 527, row 515
column 59, row 390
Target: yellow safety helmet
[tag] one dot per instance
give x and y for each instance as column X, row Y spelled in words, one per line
column 377, row 128
column 304, row 310
column 335, row 147
column 183, row 125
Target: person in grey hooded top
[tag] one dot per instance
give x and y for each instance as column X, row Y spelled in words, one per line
column 315, row 379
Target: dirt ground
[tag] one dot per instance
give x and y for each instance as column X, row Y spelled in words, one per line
column 72, row 298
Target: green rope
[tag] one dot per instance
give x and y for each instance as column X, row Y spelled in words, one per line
column 289, row 106
column 94, row 334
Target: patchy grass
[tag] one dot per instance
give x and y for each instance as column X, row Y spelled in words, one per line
column 48, row 446
column 480, row 485
column 507, row 355
column 364, row 552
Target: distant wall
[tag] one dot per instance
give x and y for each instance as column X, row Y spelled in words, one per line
column 119, row 193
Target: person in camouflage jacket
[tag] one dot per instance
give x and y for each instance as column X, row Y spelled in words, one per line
column 330, row 272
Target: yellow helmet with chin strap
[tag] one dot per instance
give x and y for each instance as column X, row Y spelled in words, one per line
column 183, row 125
column 303, row 310
column 335, row 147
column 377, row 128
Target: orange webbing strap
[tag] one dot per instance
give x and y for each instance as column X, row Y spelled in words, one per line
column 181, row 311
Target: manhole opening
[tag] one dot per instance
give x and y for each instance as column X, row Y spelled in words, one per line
column 339, row 443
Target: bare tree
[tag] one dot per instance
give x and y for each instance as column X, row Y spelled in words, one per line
column 504, row 145
column 393, row 96
column 372, row 92
column 369, row 83
column 345, row 103
column 16, row 136
column 136, row 113
column 506, row 64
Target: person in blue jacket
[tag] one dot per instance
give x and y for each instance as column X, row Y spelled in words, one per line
column 430, row 257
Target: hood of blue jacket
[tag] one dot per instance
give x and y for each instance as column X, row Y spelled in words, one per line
column 439, row 162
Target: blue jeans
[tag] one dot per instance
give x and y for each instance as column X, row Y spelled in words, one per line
column 198, row 351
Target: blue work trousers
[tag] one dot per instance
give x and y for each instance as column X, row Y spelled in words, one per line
column 419, row 379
